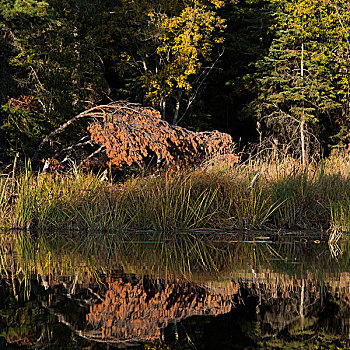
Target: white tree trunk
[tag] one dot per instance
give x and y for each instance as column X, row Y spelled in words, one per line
column 177, row 107
column 302, row 123
column 163, row 107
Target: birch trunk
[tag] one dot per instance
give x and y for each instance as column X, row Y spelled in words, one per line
column 177, row 107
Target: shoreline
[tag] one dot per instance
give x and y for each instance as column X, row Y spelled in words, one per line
column 224, row 197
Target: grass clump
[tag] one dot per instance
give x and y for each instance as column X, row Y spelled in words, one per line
column 284, row 195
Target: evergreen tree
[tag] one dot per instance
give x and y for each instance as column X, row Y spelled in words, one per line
column 297, row 89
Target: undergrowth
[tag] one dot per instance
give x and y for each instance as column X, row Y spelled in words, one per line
column 222, row 196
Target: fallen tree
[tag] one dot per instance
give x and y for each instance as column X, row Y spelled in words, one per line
column 126, row 134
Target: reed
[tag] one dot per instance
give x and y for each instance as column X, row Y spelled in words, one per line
column 222, row 196
column 4, row 199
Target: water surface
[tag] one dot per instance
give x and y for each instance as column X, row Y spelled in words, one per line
column 186, row 291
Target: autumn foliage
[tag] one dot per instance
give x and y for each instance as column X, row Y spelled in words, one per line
column 134, row 312
column 133, row 134
column 25, row 103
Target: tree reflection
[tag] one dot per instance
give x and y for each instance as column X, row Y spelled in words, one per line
column 168, row 293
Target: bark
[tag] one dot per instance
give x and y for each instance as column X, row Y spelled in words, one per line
column 177, row 107
column 77, row 50
column 302, row 124
column 163, row 108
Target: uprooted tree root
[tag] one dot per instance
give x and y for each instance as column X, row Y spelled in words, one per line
column 125, row 134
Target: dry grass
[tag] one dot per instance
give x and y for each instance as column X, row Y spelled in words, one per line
column 221, row 195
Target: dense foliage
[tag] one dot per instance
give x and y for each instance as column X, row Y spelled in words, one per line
column 263, row 70
column 132, row 134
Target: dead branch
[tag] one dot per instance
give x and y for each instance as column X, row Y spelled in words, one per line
column 130, row 134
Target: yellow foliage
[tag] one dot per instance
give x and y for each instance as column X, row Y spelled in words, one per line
column 183, row 42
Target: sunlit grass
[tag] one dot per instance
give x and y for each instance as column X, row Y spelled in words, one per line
column 222, row 196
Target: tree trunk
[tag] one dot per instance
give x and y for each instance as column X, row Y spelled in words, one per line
column 163, row 107
column 77, row 52
column 177, row 107
column 302, row 123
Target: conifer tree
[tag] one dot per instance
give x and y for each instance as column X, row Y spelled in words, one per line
column 298, row 90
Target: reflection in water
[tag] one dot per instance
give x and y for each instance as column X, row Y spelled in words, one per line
column 140, row 310
column 187, row 292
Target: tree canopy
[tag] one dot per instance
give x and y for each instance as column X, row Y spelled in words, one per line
column 259, row 69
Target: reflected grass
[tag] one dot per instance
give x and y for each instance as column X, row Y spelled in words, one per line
column 191, row 257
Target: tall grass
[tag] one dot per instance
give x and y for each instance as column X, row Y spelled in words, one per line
column 4, row 199
column 223, row 197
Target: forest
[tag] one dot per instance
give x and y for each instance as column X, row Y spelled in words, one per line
column 273, row 73
column 170, row 115
column 174, row 174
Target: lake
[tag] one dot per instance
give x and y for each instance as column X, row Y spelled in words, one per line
column 194, row 290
